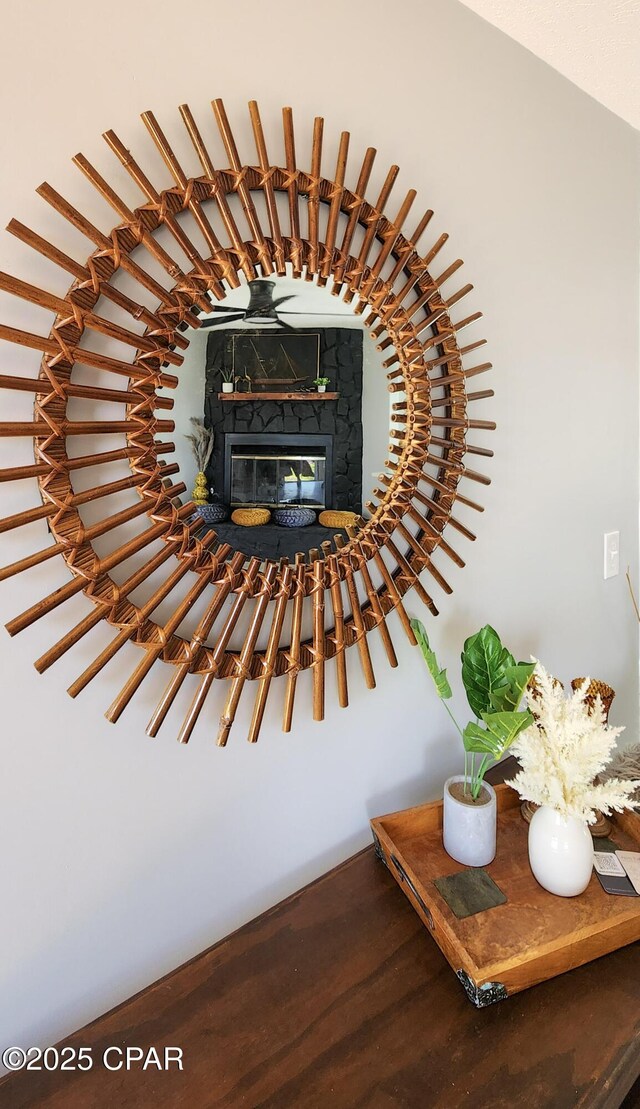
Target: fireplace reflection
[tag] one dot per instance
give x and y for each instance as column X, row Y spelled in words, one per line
column 277, row 479
column 278, row 470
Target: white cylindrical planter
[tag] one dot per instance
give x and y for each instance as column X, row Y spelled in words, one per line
column 227, row 386
column 560, row 852
column 469, row 830
column 322, row 388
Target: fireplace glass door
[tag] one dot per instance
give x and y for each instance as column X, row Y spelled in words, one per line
column 278, row 472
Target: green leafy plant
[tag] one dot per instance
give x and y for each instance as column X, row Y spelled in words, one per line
column 494, row 683
column 227, row 374
column 321, row 380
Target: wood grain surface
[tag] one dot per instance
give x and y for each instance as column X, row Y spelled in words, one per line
column 339, row 997
column 241, row 397
column 533, row 935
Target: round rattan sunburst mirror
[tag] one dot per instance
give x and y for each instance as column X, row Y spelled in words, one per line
column 390, row 283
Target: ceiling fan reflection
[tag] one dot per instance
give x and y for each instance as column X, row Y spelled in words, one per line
column 263, row 308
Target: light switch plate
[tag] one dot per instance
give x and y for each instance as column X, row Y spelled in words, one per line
column 611, row 554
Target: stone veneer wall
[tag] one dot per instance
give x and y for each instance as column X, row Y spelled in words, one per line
column 341, row 362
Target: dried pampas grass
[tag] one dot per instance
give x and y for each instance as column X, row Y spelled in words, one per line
column 626, row 764
column 201, row 442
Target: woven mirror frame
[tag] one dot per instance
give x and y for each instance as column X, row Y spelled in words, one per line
column 390, row 283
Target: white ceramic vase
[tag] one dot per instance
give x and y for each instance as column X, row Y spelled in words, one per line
column 322, row 388
column 560, row 852
column 227, row 386
column 469, row 831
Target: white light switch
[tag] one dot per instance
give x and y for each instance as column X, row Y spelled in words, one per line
column 611, row 553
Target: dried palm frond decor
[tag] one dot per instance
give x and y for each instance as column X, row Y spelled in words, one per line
column 598, row 695
column 565, row 751
column 561, row 756
column 202, row 445
column 350, row 587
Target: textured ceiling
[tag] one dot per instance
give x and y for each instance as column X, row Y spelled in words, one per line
column 595, row 43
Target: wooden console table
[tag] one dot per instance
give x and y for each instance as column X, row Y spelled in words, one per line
column 338, row 997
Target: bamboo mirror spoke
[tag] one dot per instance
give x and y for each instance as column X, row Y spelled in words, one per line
column 218, row 614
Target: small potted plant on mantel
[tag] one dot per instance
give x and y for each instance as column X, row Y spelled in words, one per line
column 227, row 380
column 321, row 384
column 494, row 683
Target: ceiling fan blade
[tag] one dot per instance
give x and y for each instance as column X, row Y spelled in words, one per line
column 285, row 326
column 229, row 308
column 290, row 312
column 229, row 318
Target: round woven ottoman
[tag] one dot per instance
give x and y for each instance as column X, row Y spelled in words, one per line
column 332, row 518
column 294, row 517
column 251, row 517
column 213, row 513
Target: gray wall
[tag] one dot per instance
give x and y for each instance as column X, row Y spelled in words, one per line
column 122, row 856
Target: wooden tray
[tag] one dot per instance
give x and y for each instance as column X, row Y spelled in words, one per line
column 530, row 938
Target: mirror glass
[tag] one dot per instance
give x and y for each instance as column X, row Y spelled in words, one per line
column 292, row 390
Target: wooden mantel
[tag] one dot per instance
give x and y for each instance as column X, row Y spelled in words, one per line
column 238, row 397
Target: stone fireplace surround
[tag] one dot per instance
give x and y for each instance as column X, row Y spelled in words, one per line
column 341, row 362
